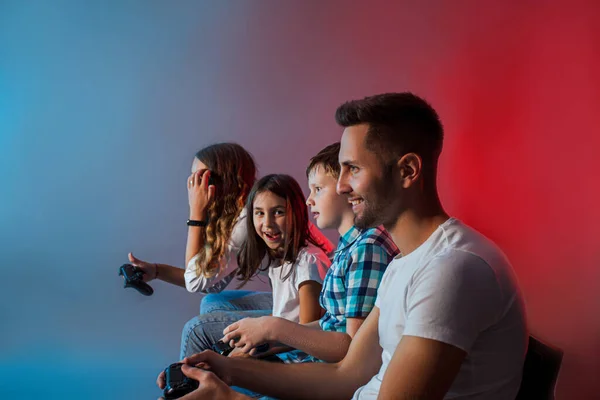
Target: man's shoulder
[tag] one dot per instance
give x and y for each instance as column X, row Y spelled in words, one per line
column 467, row 246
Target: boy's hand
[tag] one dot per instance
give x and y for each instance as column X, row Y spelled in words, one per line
column 249, row 333
column 237, row 352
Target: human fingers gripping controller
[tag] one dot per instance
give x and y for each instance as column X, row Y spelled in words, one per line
column 134, row 278
column 207, row 360
column 225, row 349
column 177, row 384
column 150, row 269
column 209, row 385
column 222, row 348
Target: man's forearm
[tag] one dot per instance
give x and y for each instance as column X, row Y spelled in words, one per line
column 324, row 345
column 293, row 381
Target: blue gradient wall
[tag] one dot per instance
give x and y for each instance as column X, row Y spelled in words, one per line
column 103, row 104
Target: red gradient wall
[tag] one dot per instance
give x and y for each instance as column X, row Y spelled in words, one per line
column 521, row 165
column 517, row 85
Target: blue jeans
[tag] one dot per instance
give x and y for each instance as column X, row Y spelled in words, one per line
column 217, row 312
column 236, row 300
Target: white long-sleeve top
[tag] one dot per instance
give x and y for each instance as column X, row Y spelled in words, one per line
column 228, row 265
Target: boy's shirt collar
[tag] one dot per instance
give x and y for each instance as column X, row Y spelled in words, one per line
column 348, row 238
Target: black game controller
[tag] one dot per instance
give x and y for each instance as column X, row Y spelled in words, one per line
column 134, row 278
column 176, row 383
column 222, row 348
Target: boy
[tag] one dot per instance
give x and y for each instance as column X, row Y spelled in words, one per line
column 350, row 286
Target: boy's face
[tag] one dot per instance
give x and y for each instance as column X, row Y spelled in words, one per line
column 326, row 206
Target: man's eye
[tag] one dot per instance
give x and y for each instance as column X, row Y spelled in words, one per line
column 317, row 189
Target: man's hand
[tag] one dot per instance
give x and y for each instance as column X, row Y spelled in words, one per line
column 148, row 268
column 210, row 386
column 208, row 360
column 249, row 333
column 212, row 361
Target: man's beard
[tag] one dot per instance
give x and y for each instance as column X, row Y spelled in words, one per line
column 376, row 204
column 371, row 216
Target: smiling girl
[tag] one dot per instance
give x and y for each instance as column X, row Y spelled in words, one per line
column 279, row 241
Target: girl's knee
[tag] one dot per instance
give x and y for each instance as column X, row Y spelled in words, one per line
column 209, row 301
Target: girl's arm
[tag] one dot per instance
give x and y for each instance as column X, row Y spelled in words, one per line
column 164, row 272
column 311, row 266
column 200, row 196
column 310, row 309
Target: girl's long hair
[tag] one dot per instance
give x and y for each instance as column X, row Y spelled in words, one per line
column 233, row 173
column 298, row 234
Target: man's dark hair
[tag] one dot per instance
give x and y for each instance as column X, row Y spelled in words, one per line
column 326, row 159
column 399, row 123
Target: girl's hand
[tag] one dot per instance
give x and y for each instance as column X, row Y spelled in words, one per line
column 200, row 194
column 150, row 270
column 248, row 333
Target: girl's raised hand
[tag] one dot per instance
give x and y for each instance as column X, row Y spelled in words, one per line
column 200, row 194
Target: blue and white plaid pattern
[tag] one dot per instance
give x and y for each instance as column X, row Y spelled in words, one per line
column 350, row 286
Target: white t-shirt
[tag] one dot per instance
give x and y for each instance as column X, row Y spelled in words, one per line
column 228, row 264
column 457, row 288
column 311, row 265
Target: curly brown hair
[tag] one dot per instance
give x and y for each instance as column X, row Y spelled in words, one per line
column 233, row 173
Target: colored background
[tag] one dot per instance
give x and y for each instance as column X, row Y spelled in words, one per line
column 103, row 104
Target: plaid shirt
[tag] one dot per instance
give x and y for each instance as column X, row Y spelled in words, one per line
column 350, row 286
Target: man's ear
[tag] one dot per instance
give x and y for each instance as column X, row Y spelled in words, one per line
column 410, row 168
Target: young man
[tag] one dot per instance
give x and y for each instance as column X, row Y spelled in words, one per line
column 449, row 320
column 349, row 289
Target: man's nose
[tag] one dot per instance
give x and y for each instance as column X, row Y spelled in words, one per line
column 342, row 186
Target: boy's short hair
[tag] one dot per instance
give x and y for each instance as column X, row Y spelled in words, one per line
column 326, row 159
